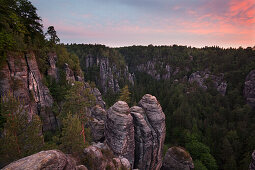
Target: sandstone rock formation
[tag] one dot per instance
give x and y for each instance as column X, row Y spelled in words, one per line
column 252, row 164
column 119, row 131
column 20, row 76
column 100, row 157
column 249, row 88
column 200, row 78
column 177, row 158
column 150, row 68
column 53, row 70
column 51, row 159
column 97, row 123
column 150, row 131
column 109, row 73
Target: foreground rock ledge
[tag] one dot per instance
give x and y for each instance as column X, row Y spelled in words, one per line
column 177, row 158
column 51, row 159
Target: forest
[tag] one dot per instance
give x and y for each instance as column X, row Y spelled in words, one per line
column 217, row 130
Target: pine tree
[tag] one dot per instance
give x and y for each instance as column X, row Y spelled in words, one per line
column 72, row 138
column 125, row 94
column 20, row 137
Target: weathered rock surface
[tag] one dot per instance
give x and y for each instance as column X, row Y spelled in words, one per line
column 143, row 139
column 249, row 89
column 177, row 158
column 21, row 76
column 69, row 74
column 150, row 131
column 51, row 159
column 109, row 73
column 101, row 158
column 53, row 70
column 150, row 68
column 252, row 164
column 200, row 78
column 97, row 125
column 119, row 131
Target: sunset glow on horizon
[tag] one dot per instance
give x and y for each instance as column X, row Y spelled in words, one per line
column 198, row 23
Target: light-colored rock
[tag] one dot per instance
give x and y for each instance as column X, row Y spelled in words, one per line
column 200, row 78
column 155, row 119
column 51, row 159
column 119, row 131
column 177, row 158
column 22, row 78
column 249, row 89
column 143, row 139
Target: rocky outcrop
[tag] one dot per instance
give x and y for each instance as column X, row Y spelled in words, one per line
column 119, row 131
column 249, row 88
column 51, row 159
column 69, row 74
column 100, row 157
column 52, row 70
column 21, row 77
column 109, row 74
column 252, row 164
column 137, row 133
column 97, row 123
column 150, row 131
column 200, row 78
column 152, row 68
column 177, row 158
column 98, row 95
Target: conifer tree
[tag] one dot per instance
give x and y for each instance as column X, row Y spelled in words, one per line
column 72, row 138
column 125, row 94
column 20, row 137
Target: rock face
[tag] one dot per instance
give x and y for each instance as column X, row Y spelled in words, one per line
column 53, row 70
column 119, row 131
column 151, row 68
column 150, row 131
column 21, row 76
column 200, row 78
column 252, row 164
column 51, row 159
column 97, row 125
column 109, row 74
column 249, row 88
column 177, row 158
column 100, row 157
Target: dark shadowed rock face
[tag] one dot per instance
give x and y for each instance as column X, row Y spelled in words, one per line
column 52, row 159
column 21, row 77
column 119, row 131
column 177, row 158
column 143, row 139
column 97, row 123
column 150, row 131
column 100, row 157
column 249, row 88
column 252, row 164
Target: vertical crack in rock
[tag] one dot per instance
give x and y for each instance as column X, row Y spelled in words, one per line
column 119, row 131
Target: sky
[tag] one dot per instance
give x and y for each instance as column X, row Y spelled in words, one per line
column 115, row 23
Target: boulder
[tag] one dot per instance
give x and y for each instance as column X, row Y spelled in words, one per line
column 249, row 88
column 51, row 159
column 100, row 157
column 119, row 131
column 177, row 158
